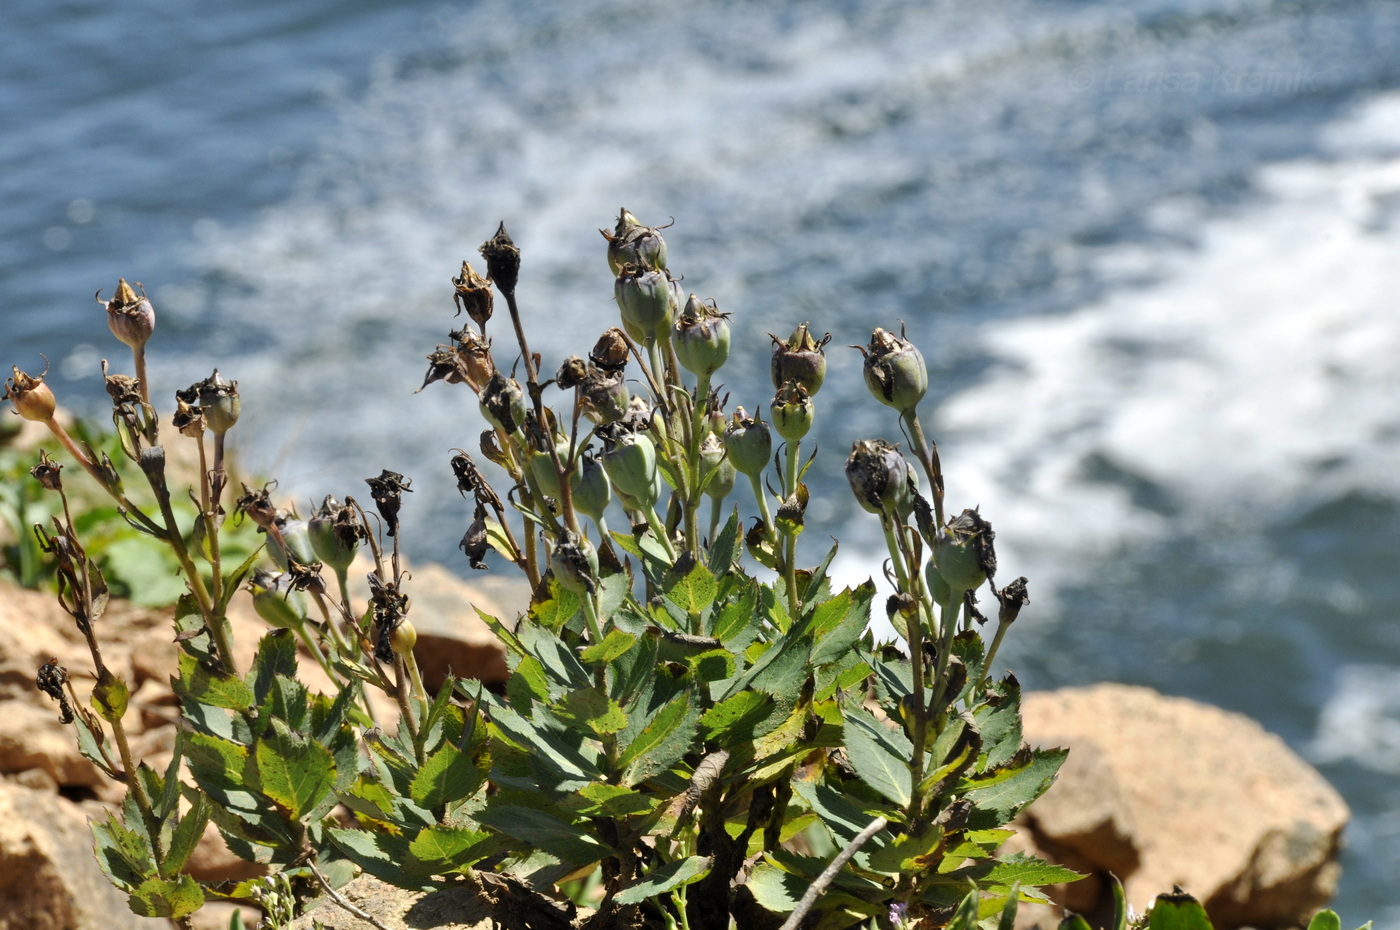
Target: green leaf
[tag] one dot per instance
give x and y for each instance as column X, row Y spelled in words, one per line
column 1006, row 920
column 739, row 714
column 235, row 578
column 445, row 777
column 725, row 544
column 557, row 609
column 1120, row 907
column 712, row 665
column 737, row 623
column 381, row 855
column 601, row 799
column 614, row 645
column 213, row 688
column 277, row 655
column 217, row 766
column 569, row 767
column 1177, row 911
column 587, row 708
column 1325, row 919
column 1022, row 869
column 145, row 570
column 693, row 592
column 665, row 738
column 670, row 876
column 293, row 772
column 879, row 754
column 839, row 623
column 1027, row 781
column 186, row 835
column 110, row 697
column 840, row 814
column 441, row 850
column 544, row 831
column 174, row 899
column 965, row 917
column 90, row 745
column 999, row 722
column 123, row 854
column 774, row 889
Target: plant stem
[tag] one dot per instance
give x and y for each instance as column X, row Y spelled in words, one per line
column 789, row 565
column 828, row 875
column 927, row 453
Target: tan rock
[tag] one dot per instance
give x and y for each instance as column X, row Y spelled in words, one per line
column 49, row 879
column 1165, row 791
column 457, row 908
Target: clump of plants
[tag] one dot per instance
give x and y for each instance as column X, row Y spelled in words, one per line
column 699, row 730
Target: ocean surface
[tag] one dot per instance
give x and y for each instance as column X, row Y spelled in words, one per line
column 1148, row 248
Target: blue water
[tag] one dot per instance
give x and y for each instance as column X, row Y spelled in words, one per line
column 1146, row 247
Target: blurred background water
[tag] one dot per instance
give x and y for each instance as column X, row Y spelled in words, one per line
column 1148, row 249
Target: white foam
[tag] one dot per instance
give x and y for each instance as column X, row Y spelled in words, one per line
column 1360, row 723
column 1259, row 370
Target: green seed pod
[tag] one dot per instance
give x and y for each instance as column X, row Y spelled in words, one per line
column 792, row 411
column 883, row 482
column 575, row 563
column 964, row 552
column 748, row 442
column 630, row 460
column 717, row 473
column 701, row 338
column 801, row 358
column 503, row 403
column 336, row 533
column 276, row 601
column 632, row 243
column 291, row 543
column 218, row 398
column 542, row 465
column 131, row 318
column 404, row 638
column 894, row 370
column 644, row 295
column 591, row 487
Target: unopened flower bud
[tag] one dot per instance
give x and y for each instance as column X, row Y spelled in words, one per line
column 630, row 460
column 792, row 411
column 502, row 260
column 964, row 552
column 47, row 472
column 801, row 358
column 645, row 299
column 717, row 473
column 575, row 563
column 592, row 491
column 275, row 599
column 604, row 396
column 336, row 533
column 610, row 351
column 881, row 479
column 894, row 370
column 748, row 442
column 132, row 319
column 701, row 338
column 30, row 395
column 473, row 294
column 404, row 638
column 632, row 243
column 503, row 403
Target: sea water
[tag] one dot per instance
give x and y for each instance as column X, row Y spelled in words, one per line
column 1148, row 249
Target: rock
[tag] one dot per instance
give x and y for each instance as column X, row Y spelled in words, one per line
column 1164, row 791
column 49, row 879
column 458, row 908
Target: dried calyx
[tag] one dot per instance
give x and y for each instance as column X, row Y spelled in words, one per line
column 216, row 398
column 502, row 260
column 631, row 242
column 473, row 294
column 800, row 358
column 895, row 371
column 883, row 482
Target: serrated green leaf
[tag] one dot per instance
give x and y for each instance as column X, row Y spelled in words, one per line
column 381, row 855
column 693, row 592
column 445, row 777
column 774, row 889
column 738, row 714
column 999, row 722
column 725, row 544
column 613, row 646
column 173, row 899
column 600, row 799
column 879, row 754
column 567, row 764
column 123, row 854
column 186, row 835
column 1325, row 919
column 1029, row 871
column 1010, row 793
column 277, row 655
column 737, row 623
column 1177, row 911
column 670, row 876
column 213, row 688
column 90, row 743
column 1120, row 905
column 442, row 850
column 839, row 623
column 665, row 738
column 544, row 831
column 110, row 697
column 557, row 609
column 712, row 665
column 293, row 772
column 589, row 709
column 217, row 766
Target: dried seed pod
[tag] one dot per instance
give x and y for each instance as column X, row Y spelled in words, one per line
column 800, row 358
column 610, row 352
column 473, row 294
column 631, row 242
column 503, row 403
column 47, row 472
column 502, row 260
column 387, row 491
column 883, row 482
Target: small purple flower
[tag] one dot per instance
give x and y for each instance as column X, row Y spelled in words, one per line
column 898, row 912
